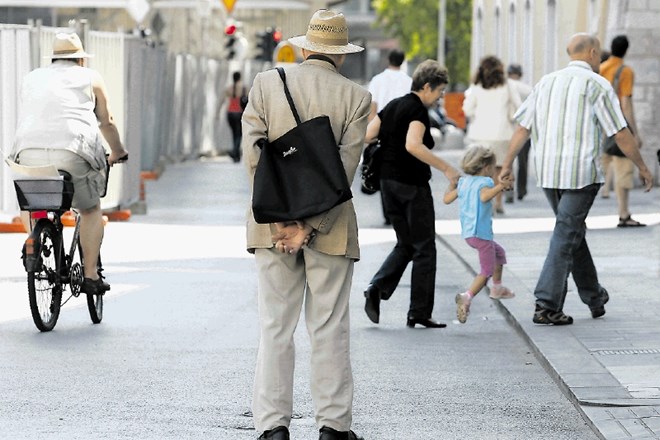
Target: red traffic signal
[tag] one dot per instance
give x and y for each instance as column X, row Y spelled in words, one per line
column 277, row 36
column 230, row 29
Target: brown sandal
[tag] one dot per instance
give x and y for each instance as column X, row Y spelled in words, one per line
column 628, row 222
column 549, row 317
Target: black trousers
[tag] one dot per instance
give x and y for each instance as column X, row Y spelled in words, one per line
column 234, row 119
column 410, row 209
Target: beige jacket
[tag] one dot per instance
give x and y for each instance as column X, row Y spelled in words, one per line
column 317, row 89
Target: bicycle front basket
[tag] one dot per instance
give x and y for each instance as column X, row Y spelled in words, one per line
column 44, row 194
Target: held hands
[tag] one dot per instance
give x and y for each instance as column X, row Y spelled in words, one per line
column 291, row 237
column 506, row 175
column 506, row 182
column 452, row 175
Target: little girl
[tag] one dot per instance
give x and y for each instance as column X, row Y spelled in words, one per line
column 475, row 192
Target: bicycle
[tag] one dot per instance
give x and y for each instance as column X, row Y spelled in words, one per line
column 49, row 267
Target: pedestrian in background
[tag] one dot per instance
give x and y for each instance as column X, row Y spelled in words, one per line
column 475, row 192
column 318, row 274
column 514, row 72
column 490, row 105
column 623, row 168
column 391, row 83
column 567, row 114
column 235, row 94
column 403, row 127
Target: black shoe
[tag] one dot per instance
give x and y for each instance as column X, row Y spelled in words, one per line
column 426, row 322
column 94, row 287
column 332, row 434
column 372, row 305
column 545, row 316
column 279, row 433
column 597, row 312
column 521, row 195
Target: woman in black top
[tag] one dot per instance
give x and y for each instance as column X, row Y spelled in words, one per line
column 403, row 128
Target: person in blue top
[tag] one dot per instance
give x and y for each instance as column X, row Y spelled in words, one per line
column 474, row 193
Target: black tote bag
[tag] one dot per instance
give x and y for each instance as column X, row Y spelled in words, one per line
column 300, row 174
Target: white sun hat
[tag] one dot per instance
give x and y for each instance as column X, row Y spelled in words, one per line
column 327, row 33
column 68, row 45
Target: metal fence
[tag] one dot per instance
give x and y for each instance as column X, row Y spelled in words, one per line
column 168, row 107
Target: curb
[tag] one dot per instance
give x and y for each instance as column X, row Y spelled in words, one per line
column 150, row 175
column 120, row 215
column 16, row 225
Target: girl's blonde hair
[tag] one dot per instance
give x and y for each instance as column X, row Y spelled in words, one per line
column 476, row 159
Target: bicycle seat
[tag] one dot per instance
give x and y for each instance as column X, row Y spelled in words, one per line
column 66, row 175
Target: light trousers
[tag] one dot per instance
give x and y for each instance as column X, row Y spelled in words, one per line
column 323, row 283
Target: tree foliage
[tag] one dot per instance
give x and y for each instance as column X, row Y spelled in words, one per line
column 414, row 23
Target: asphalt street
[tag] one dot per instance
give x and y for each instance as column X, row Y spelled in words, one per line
column 174, row 355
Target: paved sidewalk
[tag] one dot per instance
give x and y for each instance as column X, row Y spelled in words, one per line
column 609, row 367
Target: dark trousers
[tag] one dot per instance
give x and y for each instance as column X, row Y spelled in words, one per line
column 521, row 181
column 410, row 209
column 568, row 252
column 234, row 120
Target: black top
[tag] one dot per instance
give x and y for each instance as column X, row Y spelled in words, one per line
column 397, row 163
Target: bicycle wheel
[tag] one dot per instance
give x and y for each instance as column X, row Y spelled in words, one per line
column 94, row 302
column 44, row 284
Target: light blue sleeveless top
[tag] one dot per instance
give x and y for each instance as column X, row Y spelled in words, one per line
column 476, row 216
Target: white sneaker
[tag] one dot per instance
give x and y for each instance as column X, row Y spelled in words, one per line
column 462, row 307
column 501, row 292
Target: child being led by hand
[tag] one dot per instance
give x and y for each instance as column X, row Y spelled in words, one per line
column 474, row 192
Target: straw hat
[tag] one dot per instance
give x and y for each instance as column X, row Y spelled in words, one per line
column 68, row 46
column 327, row 33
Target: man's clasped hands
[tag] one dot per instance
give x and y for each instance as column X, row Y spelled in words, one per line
column 291, row 236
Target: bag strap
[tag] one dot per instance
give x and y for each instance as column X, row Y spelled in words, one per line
column 617, row 77
column 288, row 95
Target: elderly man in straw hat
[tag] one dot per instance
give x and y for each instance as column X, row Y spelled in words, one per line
column 64, row 112
column 310, row 261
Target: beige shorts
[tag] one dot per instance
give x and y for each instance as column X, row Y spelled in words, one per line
column 88, row 183
column 624, row 170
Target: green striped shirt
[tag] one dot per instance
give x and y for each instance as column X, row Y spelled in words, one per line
column 568, row 113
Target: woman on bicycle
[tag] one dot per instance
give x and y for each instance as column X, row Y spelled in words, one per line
column 64, row 112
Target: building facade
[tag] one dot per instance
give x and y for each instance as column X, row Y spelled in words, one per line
column 534, row 34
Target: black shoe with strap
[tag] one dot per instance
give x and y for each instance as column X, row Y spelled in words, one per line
column 426, row 322
column 550, row 317
column 279, row 433
column 327, row 433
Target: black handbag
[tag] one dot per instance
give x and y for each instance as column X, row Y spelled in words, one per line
column 300, row 174
column 371, row 168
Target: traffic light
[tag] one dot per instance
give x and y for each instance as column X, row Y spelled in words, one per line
column 267, row 40
column 230, row 42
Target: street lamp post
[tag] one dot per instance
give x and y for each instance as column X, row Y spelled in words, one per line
column 442, row 17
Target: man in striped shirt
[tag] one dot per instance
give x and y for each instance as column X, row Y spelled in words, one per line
column 567, row 115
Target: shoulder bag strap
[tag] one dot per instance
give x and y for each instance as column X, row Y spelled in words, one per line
column 288, row 95
column 617, row 77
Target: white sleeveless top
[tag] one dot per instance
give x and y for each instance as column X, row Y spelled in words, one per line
column 57, row 112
